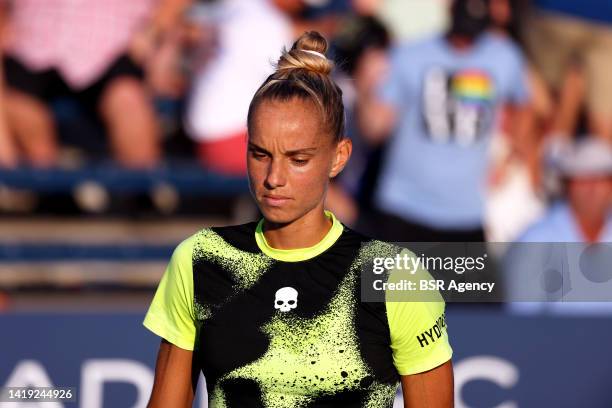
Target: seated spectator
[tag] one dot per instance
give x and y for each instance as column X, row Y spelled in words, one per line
column 439, row 108
column 583, row 215
column 8, row 151
column 90, row 50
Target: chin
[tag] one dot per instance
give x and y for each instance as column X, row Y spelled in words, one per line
column 280, row 215
column 276, row 214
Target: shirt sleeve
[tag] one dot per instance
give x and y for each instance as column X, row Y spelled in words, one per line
column 171, row 313
column 419, row 338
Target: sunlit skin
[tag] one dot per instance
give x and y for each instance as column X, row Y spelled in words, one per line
column 590, row 199
column 501, row 13
column 290, row 155
column 291, row 158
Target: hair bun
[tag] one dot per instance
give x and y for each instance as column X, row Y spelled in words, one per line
column 307, row 53
column 304, row 74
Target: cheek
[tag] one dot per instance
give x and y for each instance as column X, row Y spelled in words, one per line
column 592, row 193
column 310, row 182
column 606, row 193
column 580, row 189
column 253, row 173
column 600, row 191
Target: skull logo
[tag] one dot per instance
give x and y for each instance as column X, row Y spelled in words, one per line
column 285, row 299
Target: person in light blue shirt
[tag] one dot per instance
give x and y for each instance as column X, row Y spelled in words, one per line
column 583, row 216
column 441, row 102
column 560, row 225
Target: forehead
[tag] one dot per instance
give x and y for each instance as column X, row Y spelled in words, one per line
column 291, row 124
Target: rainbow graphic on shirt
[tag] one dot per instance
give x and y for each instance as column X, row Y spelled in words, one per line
column 472, row 87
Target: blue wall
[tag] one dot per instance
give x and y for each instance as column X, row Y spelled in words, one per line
column 526, row 361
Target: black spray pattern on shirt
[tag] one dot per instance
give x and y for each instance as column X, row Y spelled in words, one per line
column 306, row 360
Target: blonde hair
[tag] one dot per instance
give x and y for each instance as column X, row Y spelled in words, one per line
column 304, row 72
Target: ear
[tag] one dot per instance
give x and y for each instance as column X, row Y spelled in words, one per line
column 341, row 156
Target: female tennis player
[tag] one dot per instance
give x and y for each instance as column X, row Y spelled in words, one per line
column 270, row 310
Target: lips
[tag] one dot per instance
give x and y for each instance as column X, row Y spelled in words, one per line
column 275, row 200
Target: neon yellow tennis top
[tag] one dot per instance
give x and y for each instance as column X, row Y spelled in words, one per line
column 286, row 328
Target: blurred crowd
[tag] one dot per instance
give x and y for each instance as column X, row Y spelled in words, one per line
column 471, row 120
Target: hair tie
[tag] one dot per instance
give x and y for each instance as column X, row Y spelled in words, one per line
column 317, row 53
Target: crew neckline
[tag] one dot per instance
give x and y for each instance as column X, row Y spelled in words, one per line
column 299, row 254
column 478, row 43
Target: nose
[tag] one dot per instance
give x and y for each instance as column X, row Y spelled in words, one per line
column 276, row 174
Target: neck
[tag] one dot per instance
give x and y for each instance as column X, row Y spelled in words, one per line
column 304, row 232
column 499, row 31
column 460, row 42
column 590, row 224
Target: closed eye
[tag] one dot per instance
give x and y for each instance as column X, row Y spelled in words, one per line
column 300, row 162
column 258, row 155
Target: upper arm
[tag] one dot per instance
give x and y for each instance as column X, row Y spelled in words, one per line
column 176, row 377
column 419, row 343
column 171, row 314
column 417, row 325
column 432, row 389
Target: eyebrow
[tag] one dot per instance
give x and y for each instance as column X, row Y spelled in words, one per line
column 288, row 152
